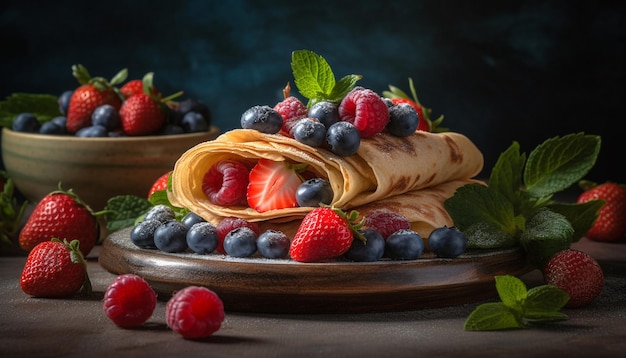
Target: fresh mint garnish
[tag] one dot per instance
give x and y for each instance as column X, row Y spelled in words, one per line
column 315, row 79
column 517, row 207
column 123, row 210
column 43, row 106
column 519, row 306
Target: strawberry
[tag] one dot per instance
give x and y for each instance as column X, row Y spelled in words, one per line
column 61, row 214
column 576, row 273
column 273, row 185
column 611, row 222
column 291, row 109
column 159, row 184
column 144, row 113
column 134, row 87
column 55, row 268
column 92, row 93
column 324, row 233
column 425, row 123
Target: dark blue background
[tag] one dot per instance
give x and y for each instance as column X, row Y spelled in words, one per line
column 498, row 70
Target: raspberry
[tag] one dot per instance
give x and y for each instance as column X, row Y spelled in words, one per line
column 129, row 301
column 386, row 222
column 366, row 110
column 226, row 183
column 576, row 273
column 194, row 312
column 227, row 225
column 291, row 109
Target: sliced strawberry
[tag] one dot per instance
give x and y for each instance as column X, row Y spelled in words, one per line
column 272, row 186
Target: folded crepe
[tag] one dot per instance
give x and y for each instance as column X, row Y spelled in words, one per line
column 383, row 168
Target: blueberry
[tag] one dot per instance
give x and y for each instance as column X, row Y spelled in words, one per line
column 26, row 122
column 93, row 131
column 64, row 101
column 388, row 102
column 170, row 129
column 403, row 120
column 142, row 234
column 325, row 112
column 240, row 242
column 262, row 118
column 371, row 250
column 202, row 238
column 60, row 121
column 343, row 138
column 194, row 105
column 314, row 191
column 404, row 245
column 194, row 122
column 273, row 244
column 191, row 218
column 52, row 127
column 160, row 212
column 448, row 242
column 107, row 116
column 171, row 237
column 310, row 132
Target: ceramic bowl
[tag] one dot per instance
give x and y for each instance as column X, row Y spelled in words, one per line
column 95, row 168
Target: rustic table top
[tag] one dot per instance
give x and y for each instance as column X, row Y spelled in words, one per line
column 77, row 327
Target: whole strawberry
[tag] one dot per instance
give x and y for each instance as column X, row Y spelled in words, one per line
column 55, row 268
column 61, row 214
column 611, row 222
column 159, row 184
column 324, row 233
column 134, row 87
column 144, row 113
column 576, row 273
column 92, row 93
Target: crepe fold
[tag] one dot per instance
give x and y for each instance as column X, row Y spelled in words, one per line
column 384, row 167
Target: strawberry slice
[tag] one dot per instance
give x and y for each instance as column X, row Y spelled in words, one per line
column 273, row 185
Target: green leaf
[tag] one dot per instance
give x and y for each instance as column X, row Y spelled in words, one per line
column 512, row 291
column 123, row 210
column 544, row 301
column 506, row 175
column 159, row 197
column 341, row 89
column 582, row 216
column 43, row 106
column 492, row 316
column 559, row 162
column 546, row 233
column 312, row 74
column 487, row 235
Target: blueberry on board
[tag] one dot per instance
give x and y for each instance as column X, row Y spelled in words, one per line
column 343, row 138
column 371, row 250
column 142, row 234
column 202, row 238
column 92, row 131
column 447, row 242
column 26, row 122
column 403, row 120
column 325, row 112
column 310, row 132
column 404, row 245
column 263, row 119
column 171, row 237
column 313, row 192
column 64, row 101
column 273, row 244
column 194, row 122
column 160, row 212
column 107, row 116
column 240, row 242
column 191, row 218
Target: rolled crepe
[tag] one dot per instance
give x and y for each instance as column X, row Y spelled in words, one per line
column 383, row 167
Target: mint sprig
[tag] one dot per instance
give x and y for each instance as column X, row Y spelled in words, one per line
column 315, row 79
column 43, row 106
column 519, row 307
column 517, row 206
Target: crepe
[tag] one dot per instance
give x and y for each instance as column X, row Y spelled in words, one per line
column 383, row 167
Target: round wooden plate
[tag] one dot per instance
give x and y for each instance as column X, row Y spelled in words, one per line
column 285, row 286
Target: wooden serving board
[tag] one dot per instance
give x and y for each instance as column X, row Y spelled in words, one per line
column 285, row 286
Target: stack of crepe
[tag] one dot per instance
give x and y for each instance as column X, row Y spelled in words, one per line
column 411, row 175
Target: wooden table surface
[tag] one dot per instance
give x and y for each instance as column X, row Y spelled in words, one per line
column 77, row 327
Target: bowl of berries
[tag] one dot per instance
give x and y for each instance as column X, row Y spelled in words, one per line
column 102, row 139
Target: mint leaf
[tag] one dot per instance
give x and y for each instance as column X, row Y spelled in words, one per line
column 315, row 79
column 123, row 210
column 506, row 175
column 487, row 235
column 43, row 106
column 519, row 306
column 559, row 162
column 582, row 216
column 546, row 233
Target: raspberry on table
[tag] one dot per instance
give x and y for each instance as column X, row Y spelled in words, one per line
column 194, row 312
column 129, row 301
